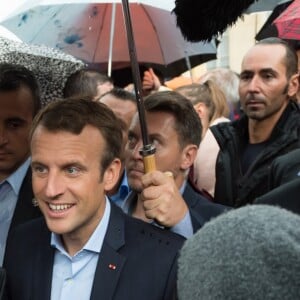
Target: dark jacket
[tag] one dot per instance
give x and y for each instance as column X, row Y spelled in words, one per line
column 285, row 196
column 285, row 168
column 2, row 282
column 145, row 259
column 234, row 188
column 25, row 210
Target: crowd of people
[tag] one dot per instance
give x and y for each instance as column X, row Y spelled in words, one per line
column 82, row 219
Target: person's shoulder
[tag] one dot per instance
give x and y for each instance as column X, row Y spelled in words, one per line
column 210, row 207
column 286, row 162
column 290, row 157
column 290, row 118
column 24, row 239
column 136, row 229
column 226, row 131
column 191, row 192
column 284, row 168
column 285, row 196
column 200, row 205
column 28, row 231
column 152, row 234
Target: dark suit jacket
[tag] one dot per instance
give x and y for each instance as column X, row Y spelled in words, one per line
column 2, row 282
column 285, row 196
column 25, row 210
column 145, row 258
column 201, row 209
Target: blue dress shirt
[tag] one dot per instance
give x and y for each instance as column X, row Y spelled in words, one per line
column 73, row 276
column 9, row 192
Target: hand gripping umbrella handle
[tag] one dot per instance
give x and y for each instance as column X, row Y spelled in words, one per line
column 148, row 149
column 149, row 158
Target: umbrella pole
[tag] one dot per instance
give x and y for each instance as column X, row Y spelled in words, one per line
column 188, row 64
column 111, row 38
column 148, row 149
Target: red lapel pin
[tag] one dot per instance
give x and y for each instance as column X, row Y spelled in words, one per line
column 112, row 267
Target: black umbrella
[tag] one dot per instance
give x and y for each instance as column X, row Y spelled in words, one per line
column 168, row 71
column 269, row 29
column 201, row 20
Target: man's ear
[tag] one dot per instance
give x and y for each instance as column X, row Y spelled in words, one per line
column 293, row 85
column 188, row 156
column 111, row 174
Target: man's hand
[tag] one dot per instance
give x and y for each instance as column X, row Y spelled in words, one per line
column 150, row 81
column 162, row 200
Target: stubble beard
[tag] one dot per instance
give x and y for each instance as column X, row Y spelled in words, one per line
column 261, row 115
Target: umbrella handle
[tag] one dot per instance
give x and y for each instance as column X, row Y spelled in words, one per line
column 147, row 152
column 149, row 163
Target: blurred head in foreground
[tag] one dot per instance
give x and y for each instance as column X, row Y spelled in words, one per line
column 249, row 253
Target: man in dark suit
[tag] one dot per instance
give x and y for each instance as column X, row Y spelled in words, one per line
column 19, row 102
column 171, row 201
column 85, row 247
column 25, row 208
column 2, row 282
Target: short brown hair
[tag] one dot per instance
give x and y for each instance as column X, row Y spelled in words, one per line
column 13, row 77
column 73, row 114
column 187, row 122
column 84, row 83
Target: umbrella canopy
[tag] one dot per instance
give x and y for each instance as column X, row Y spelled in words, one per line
column 8, row 8
column 4, row 32
column 288, row 23
column 50, row 66
column 84, row 30
column 264, row 5
column 269, row 29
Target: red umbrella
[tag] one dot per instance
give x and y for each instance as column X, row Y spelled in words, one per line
column 288, row 23
column 269, row 29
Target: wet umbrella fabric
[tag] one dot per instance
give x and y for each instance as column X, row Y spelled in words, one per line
column 264, row 5
column 50, row 66
column 84, row 31
column 269, row 29
column 288, row 23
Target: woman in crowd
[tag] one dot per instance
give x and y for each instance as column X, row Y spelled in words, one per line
column 211, row 105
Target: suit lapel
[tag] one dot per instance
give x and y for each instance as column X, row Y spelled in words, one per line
column 189, row 195
column 192, row 200
column 110, row 262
